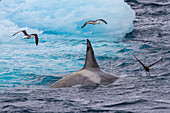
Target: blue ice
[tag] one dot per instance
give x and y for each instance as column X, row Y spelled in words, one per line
column 66, row 16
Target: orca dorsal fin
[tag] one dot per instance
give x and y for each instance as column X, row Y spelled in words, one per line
column 90, row 61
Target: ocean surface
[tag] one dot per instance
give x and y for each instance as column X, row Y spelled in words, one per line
column 141, row 27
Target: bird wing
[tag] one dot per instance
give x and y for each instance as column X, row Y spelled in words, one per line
column 139, row 60
column 36, row 39
column 102, row 20
column 24, row 31
column 16, row 33
column 155, row 62
column 85, row 24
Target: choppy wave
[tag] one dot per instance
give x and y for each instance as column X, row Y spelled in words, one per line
column 26, row 71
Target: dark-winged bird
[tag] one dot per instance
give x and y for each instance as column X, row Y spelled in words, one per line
column 27, row 36
column 94, row 22
column 146, row 68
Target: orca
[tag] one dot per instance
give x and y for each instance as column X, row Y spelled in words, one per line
column 90, row 74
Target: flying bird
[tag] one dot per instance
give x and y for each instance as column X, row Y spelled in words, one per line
column 94, row 22
column 146, row 68
column 27, row 36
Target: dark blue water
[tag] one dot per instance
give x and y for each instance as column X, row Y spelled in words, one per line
column 24, row 89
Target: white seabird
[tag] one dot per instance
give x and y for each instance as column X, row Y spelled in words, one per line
column 94, row 22
column 27, row 36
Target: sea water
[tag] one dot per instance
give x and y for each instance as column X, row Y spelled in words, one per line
column 27, row 70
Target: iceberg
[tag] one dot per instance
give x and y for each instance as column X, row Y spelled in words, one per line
column 66, row 17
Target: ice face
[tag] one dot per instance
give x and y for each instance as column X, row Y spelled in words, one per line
column 66, row 16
